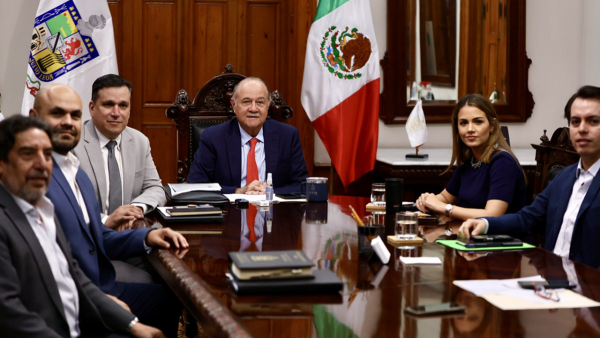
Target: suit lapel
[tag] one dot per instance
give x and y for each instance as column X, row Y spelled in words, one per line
column 87, row 192
column 61, row 180
column 234, row 151
column 20, row 222
column 271, row 148
column 589, row 196
column 94, row 152
column 128, row 160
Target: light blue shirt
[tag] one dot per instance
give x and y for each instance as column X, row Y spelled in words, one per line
column 259, row 155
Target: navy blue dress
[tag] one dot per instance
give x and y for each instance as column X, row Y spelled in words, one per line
column 501, row 179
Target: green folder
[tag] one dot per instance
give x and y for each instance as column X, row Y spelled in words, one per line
column 454, row 245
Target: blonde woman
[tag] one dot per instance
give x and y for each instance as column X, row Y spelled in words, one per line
column 488, row 180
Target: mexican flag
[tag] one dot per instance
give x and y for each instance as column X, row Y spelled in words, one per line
column 340, row 89
column 72, row 43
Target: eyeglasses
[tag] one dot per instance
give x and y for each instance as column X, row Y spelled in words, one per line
column 549, row 294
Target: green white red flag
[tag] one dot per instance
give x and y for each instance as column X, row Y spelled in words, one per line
column 340, row 89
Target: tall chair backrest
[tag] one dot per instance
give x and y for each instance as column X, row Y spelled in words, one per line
column 211, row 106
column 552, row 156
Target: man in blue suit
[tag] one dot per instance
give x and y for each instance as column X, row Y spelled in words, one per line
column 77, row 209
column 569, row 207
column 240, row 153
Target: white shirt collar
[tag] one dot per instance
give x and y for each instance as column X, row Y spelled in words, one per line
column 44, row 206
column 104, row 140
column 592, row 170
column 246, row 137
column 63, row 161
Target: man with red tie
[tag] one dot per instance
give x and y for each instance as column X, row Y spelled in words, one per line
column 238, row 154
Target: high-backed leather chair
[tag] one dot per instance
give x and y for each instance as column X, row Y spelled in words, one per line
column 552, row 156
column 211, row 106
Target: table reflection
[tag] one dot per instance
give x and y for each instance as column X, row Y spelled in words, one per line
column 375, row 295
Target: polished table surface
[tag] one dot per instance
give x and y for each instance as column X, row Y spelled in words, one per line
column 375, row 295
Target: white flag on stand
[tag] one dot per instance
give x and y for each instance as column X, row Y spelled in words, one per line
column 72, row 43
column 416, row 127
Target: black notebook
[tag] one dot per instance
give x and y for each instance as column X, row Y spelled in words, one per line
column 324, row 281
column 190, row 219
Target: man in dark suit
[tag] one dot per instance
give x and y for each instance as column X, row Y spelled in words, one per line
column 77, row 209
column 569, row 207
column 240, row 153
column 43, row 293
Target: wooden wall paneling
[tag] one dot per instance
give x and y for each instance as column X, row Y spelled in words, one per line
column 262, row 41
column 208, row 31
column 123, row 23
column 116, row 12
column 163, row 139
column 300, row 15
column 157, row 76
column 161, row 56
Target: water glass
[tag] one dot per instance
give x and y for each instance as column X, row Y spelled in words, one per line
column 378, row 194
column 378, row 217
column 406, row 225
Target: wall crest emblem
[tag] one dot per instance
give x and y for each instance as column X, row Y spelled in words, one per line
column 344, row 53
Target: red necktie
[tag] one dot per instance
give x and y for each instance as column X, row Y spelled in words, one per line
column 251, row 168
column 250, row 218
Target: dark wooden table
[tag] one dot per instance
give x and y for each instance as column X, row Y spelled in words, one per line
column 374, row 297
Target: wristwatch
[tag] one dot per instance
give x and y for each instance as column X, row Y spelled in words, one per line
column 448, row 209
column 134, row 321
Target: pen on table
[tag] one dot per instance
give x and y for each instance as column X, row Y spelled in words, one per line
column 355, row 216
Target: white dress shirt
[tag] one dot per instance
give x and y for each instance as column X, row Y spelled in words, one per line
column 41, row 219
column 103, row 140
column 69, row 165
column 259, row 155
column 580, row 188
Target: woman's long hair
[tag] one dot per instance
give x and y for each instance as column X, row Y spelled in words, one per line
column 461, row 153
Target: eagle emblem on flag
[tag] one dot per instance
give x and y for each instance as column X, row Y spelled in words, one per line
column 62, row 41
column 344, row 53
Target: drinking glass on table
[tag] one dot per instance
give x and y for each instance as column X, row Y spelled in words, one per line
column 406, row 225
column 378, row 193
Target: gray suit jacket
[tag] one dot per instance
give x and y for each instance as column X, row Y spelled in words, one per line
column 141, row 183
column 30, row 305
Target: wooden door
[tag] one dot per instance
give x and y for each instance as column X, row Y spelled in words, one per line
column 494, row 47
column 167, row 45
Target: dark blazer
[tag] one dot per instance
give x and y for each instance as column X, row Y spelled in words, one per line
column 548, row 210
column 219, row 157
column 96, row 245
column 30, row 305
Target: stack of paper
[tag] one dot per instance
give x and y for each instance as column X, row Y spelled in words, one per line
column 181, row 188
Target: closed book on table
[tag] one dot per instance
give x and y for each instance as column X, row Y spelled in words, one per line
column 324, row 281
column 193, row 219
column 270, row 265
column 194, row 211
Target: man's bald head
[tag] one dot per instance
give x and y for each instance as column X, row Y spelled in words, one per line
column 60, row 106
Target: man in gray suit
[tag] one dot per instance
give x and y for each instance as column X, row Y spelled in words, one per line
column 117, row 158
column 43, row 293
